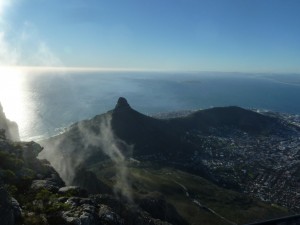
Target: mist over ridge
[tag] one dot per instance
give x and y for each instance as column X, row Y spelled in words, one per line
column 124, row 133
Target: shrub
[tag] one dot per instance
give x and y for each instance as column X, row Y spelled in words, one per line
column 10, row 161
column 49, row 202
column 33, row 219
column 8, row 176
column 11, row 189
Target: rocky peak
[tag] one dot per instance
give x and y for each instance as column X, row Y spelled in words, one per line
column 122, row 105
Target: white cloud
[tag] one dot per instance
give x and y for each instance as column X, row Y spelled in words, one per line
column 43, row 56
column 8, row 55
column 25, row 46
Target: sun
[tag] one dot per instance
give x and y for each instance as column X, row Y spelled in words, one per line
column 9, row 74
column 11, row 94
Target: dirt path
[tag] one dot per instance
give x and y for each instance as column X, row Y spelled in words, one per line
column 200, row 205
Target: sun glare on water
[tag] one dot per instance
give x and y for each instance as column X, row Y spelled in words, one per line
column 11, row 94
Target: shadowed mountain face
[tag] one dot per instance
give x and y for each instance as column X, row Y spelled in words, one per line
column 232, row 117
column 152, row 136
column 148, row 135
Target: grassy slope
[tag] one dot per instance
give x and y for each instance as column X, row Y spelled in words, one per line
column 232, row 205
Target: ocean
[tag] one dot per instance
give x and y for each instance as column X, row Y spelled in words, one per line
column 44, row 103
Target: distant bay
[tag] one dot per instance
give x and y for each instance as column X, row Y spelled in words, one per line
column 52, row 100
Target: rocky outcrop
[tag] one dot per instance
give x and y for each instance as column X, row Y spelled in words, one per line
column 108, row 216
column 104, row 209
column 17, row 210
column 10, row 127
column 45, row 200
column 44, row 170
column 82, row 211
column 10, row 212
column 74, row 191
column 45, row 184
column 89, row 181
column 122, row 105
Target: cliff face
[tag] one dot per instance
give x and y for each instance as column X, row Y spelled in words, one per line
column 32, row 193
column 11, row 128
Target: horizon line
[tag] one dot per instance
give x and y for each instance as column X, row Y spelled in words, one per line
column 126, row 69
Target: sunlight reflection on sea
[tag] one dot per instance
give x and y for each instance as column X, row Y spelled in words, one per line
column 43, row 103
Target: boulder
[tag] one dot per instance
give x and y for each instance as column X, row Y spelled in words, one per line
column 44, row 184
column 17, row 211
column 6, row 209
column 82, row 212
column 89, row 181
column 31, row 151
column 107, row 216
column 74, row 191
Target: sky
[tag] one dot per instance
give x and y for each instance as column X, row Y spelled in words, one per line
column 183, row 35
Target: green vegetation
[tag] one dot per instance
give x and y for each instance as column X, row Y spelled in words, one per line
column 10, row 161
column 46, row 202
column 13, row 171
column 17, row 177
column 171, row 183
column 33, row 219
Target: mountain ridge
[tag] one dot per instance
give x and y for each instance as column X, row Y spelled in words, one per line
column 226, row 146
column 162, row 140
column 126, row 168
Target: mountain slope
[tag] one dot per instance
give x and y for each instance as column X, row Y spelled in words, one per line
column 234, row 117
column 228, row 146
column 151, row 136
column 138, row 135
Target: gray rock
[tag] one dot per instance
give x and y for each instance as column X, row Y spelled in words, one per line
column 107, row 216
column 70, row 220
column 88, row 208
column 86, row 201
column 73, row 201
column 89, row 181
column 44, row 184
column 89, row 211
column 88, row 219
column 31, row 151
column 54, row 177
column 17, row 211
column 6, row 208
column 80, row 214
column 47, row 172
column 74, row 190
column 62, row 199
